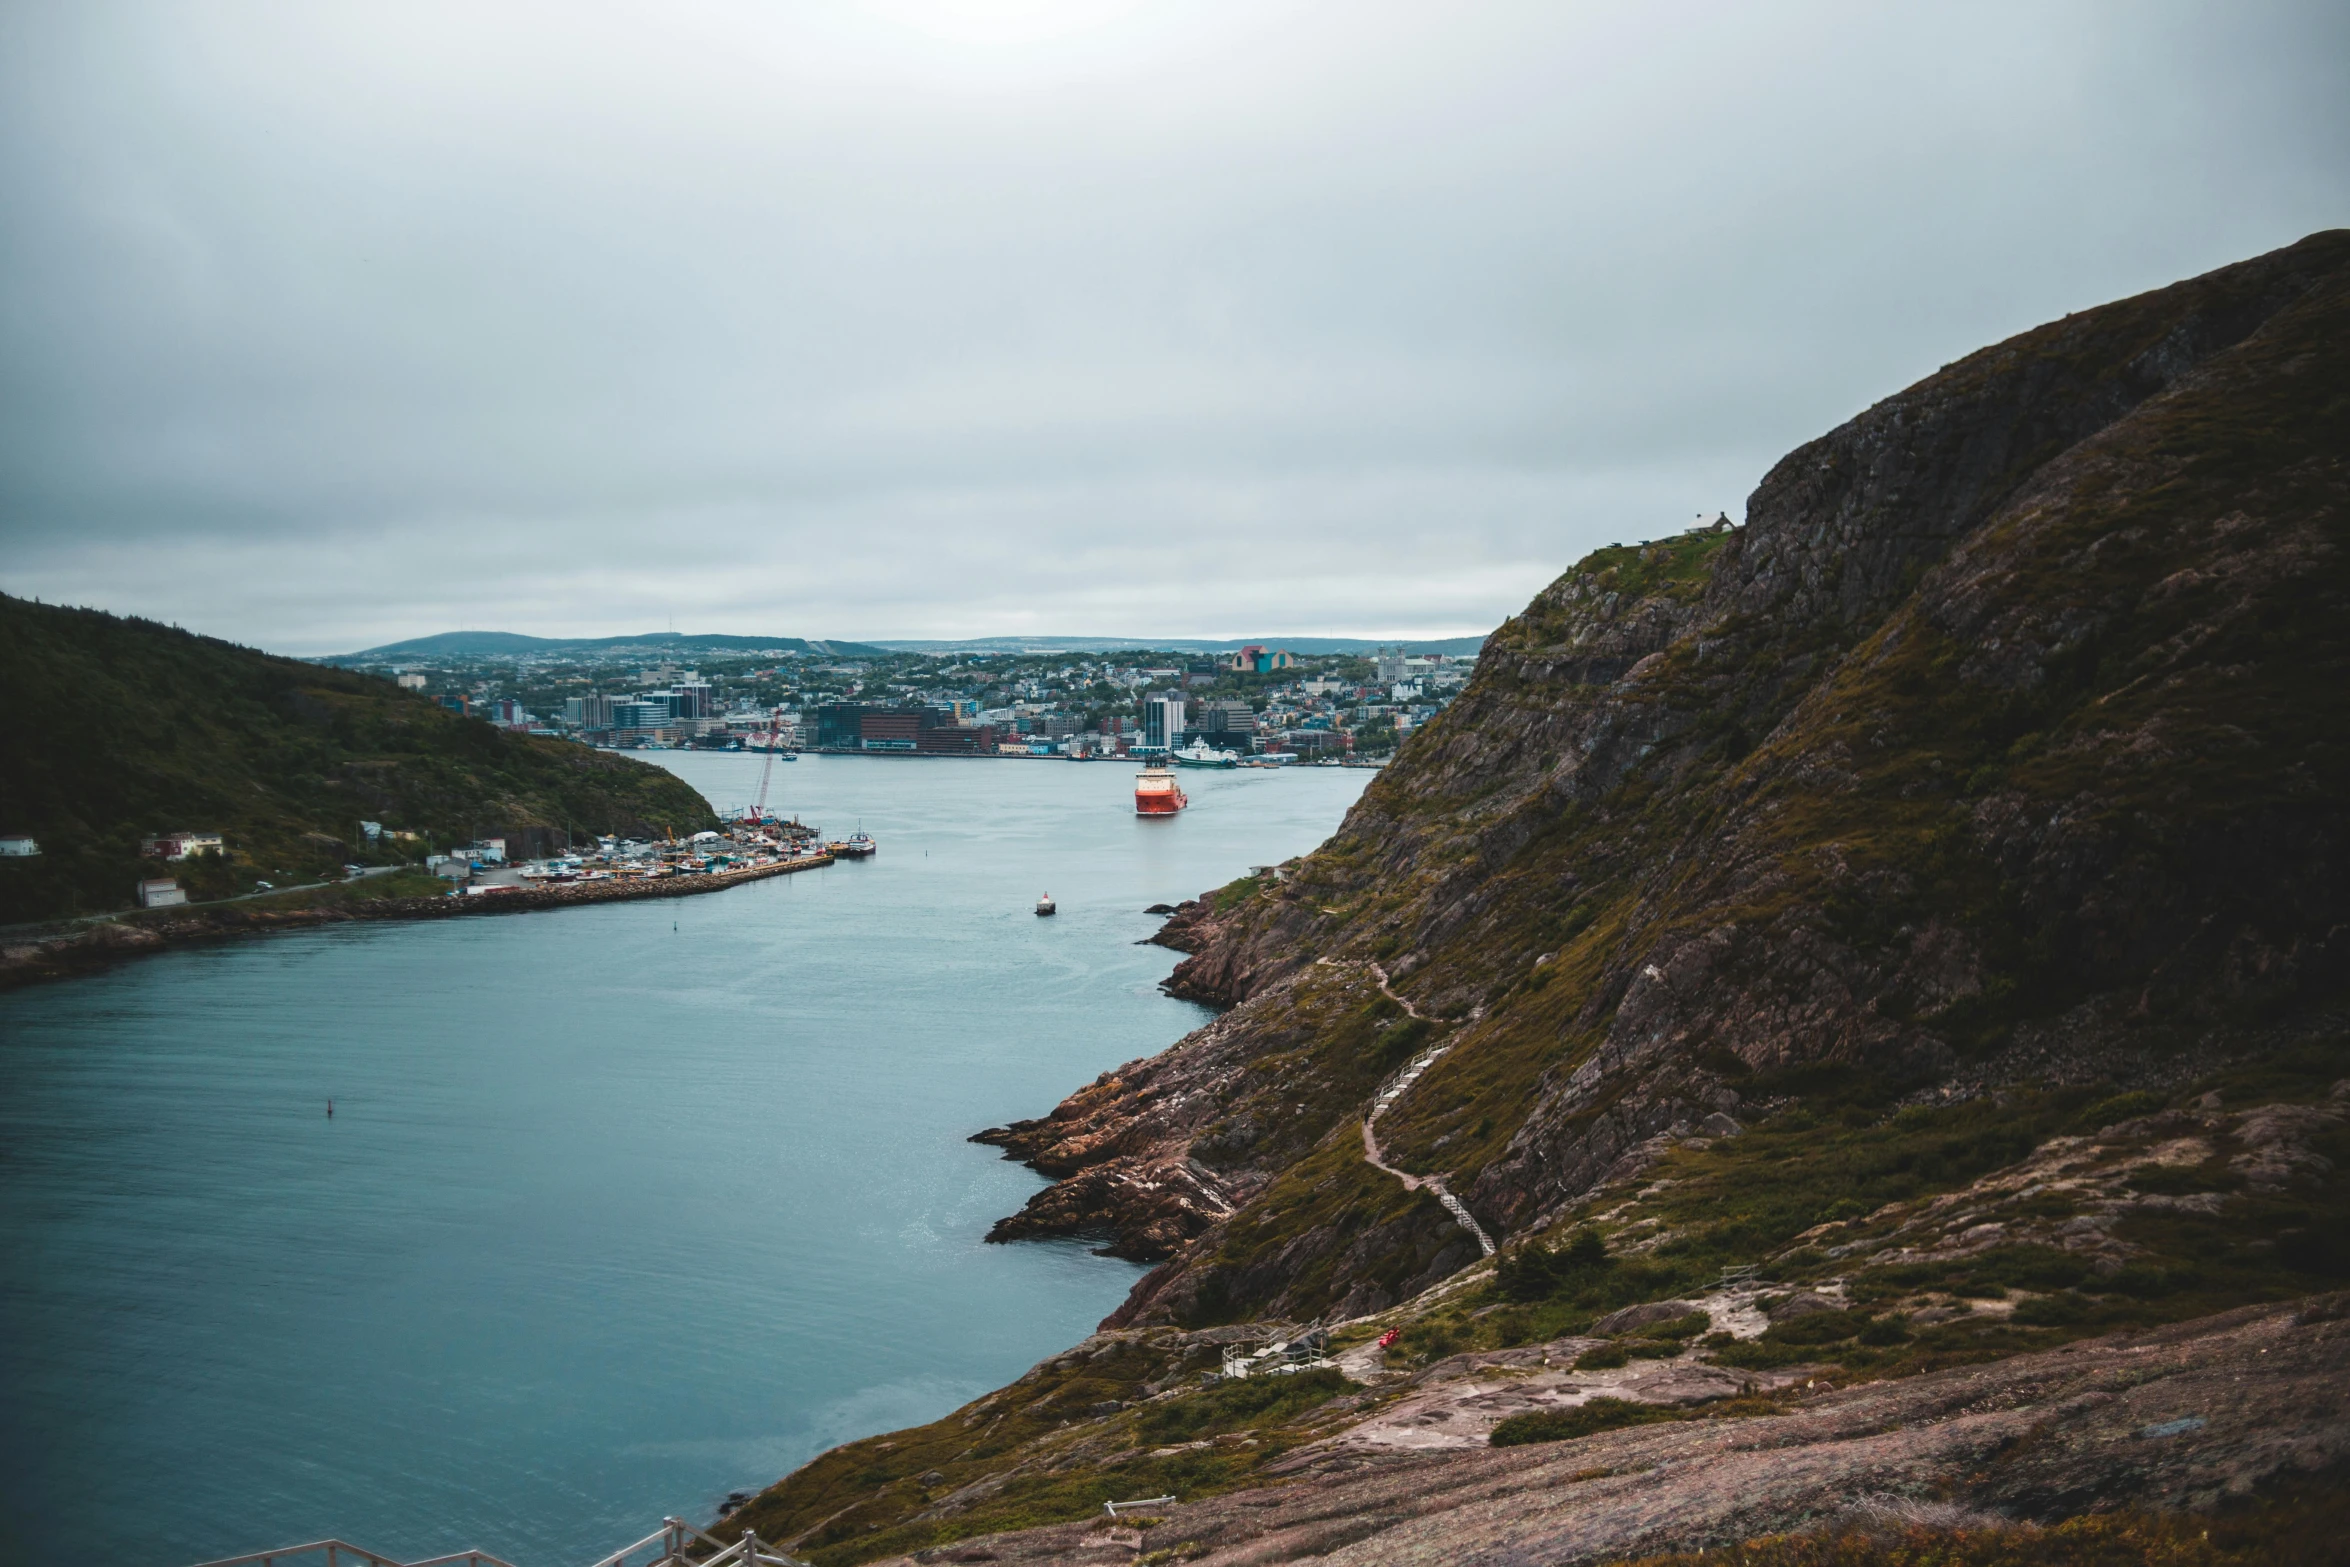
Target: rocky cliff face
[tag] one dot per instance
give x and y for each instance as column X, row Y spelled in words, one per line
column 2008, row 741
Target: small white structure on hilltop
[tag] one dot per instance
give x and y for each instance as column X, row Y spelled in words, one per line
column 18, row 846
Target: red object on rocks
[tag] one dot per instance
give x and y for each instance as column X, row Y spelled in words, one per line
column 1388, row 1337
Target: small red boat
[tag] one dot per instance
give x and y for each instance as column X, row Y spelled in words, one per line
column 1156, row 793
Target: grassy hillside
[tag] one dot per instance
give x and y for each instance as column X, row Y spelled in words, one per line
column 2004, row 745
column 124, row 728
column 1932, row 893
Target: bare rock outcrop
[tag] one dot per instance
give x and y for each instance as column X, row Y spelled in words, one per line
column 2184, row 1417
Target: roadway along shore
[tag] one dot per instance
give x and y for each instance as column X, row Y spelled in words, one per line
column 67, row 950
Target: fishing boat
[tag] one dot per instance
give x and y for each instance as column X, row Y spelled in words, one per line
column 855, row 846
column 1201, row 754
column 1156, row 793
column 1046, row 905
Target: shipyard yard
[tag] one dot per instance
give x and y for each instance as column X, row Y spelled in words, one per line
column 674, row 1191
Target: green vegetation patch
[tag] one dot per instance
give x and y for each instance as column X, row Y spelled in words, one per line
column 1538, row 1272
column 1234, row 893
column 1839, row 1158
column 1235, row 1406
column 135, row 729
column 1676, row 568
column 1584, row 1419
column 1615, row 1414
column 1332, row 1191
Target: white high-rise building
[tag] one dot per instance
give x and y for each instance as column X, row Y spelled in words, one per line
column 1163, row 719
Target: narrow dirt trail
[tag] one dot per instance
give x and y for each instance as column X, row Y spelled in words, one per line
column 1379, row 973
column 1394, row 1091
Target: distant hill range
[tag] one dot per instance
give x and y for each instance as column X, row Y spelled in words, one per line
column 125, row 729
column 509, row 644
column 1186, row 644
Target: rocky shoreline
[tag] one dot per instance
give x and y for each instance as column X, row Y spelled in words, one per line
column 65, row 952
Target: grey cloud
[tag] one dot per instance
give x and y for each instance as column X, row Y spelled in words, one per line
column 324, row 325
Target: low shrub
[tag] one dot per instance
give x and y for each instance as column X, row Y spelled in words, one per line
column 1886, row 1330
column 1229, row 1406
column 1679, row 1327
column 1756, row 1354
column 2148, row 1282
column 1585, row 1419
column 1818, row 1327
column 1537, row 1272
column 2051, row 1311
column 2121, row 1107
column 1432, row 1338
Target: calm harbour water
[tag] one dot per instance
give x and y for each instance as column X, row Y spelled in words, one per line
column 621, row 1208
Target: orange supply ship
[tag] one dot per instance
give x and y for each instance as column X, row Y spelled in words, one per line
column 1156, row 793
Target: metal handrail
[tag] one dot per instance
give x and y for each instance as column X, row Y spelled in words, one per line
column 1147, row 1501
column 336, row 1549
column 673, row 1537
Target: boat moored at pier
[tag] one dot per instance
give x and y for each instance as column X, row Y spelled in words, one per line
column 1201, row 754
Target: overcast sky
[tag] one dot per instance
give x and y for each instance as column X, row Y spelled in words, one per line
column 328, row 324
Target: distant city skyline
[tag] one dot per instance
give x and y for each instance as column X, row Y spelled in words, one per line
column 936, row 319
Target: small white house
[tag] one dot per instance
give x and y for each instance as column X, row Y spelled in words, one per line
column 161, row 893
column 179, row 845
column 18, row 846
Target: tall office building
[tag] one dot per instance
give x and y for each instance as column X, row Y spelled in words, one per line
column 1163, row 717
